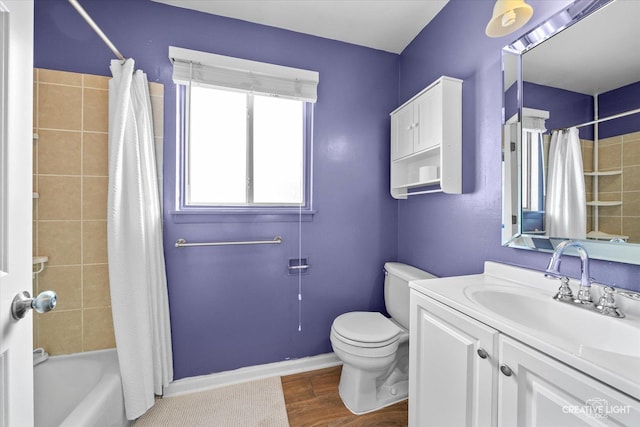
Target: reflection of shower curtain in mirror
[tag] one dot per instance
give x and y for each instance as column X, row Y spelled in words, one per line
column 566, row 208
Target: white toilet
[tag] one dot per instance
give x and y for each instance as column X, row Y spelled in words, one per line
column 375, row 349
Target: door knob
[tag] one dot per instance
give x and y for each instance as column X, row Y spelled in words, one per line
column 44, row 302
column 482, row 353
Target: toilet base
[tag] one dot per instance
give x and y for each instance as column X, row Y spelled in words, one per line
column 367, row 391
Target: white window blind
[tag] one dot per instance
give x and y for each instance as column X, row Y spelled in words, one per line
column 535, row 120
column 218, row 71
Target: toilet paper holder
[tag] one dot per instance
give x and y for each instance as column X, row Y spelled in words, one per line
column 298, row 266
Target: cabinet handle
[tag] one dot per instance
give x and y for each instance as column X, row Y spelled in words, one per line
column 506, row 370
column 482, row 353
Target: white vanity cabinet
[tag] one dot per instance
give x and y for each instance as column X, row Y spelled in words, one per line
column 426, row 139
column 465, row 373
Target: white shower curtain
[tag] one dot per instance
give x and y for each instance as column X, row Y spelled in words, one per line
column 137, row 276
column 566, row 207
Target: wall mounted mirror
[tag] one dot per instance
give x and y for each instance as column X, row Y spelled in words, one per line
column 571, row 132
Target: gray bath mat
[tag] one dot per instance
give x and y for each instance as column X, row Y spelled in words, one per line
column 257, row 403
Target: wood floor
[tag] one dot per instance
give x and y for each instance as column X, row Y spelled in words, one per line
column 312, row 400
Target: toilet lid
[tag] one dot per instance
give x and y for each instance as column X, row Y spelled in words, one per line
column 365, row 327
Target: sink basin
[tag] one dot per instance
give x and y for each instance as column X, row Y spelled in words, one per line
column 587, row 330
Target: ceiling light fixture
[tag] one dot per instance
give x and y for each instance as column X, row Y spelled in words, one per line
column 508, row 16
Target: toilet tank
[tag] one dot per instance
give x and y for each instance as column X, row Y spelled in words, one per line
column 396, row 289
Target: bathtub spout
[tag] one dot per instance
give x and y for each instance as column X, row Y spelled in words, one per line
column 39, row 356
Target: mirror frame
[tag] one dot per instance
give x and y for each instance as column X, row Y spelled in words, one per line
column 512, row 234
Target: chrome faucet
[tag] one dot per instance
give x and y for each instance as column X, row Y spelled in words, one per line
column 553, row 270
column 606, row 304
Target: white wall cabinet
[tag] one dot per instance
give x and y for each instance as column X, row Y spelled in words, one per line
column 465, row 373
column 426, row 140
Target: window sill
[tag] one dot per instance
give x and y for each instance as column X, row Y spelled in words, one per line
column 195, row 216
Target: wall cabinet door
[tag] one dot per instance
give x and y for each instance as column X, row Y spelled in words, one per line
column 543, row 392
column 429, row 122
column 402, row 130
column 453, row 370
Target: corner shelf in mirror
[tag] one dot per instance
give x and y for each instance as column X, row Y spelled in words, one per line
column 605, row 203
column 601, row 235
column 603, row 173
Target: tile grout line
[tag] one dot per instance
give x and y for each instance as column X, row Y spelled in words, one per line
column 82, row 326
column 73, row 130
column 75, row 85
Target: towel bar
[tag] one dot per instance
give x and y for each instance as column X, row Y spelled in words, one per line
column 182, row 243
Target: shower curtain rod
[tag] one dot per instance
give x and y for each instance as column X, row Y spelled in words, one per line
column 605, row 119
column 97, row 29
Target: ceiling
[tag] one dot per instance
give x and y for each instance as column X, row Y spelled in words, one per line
column 388, row 25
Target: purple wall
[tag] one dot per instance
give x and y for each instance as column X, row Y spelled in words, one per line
column 455, row 234
column 236, row 306
column 566, row 108
column 618, row 101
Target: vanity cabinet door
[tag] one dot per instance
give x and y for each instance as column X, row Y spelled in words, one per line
column 453, row 367
column 541, row 392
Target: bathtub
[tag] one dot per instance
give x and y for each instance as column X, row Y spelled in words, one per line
column 81, row 389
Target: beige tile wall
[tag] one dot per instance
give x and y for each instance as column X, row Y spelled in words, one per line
column 618, row 153
column 587, row 164
column 70, row 227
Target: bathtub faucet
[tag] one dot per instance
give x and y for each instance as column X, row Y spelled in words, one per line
column 553, row 270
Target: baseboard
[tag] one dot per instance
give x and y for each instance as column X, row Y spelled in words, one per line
column 250, row 373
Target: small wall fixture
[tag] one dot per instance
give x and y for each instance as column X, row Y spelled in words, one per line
column 39, row 261
column 508, row 16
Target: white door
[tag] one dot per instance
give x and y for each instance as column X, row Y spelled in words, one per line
column 16, row 152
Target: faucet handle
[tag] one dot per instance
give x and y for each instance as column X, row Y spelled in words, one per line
column 607, row 304
column 564, row 291
column 633, row 295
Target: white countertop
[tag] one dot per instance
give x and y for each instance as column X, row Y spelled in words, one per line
column 621, row 371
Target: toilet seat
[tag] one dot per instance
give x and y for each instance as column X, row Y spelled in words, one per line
column 365, row 329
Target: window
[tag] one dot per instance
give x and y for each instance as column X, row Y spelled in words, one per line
column 533, row 159
column 244, row 149
column 245, row 132
column 533, row 168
